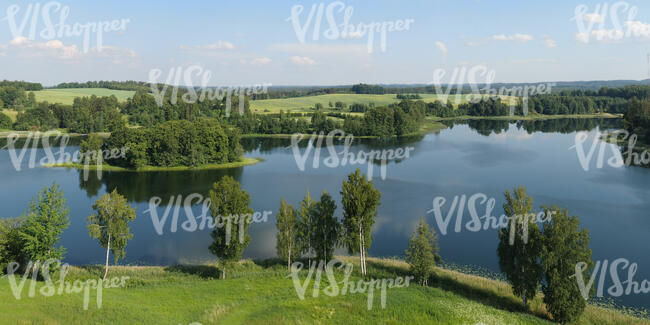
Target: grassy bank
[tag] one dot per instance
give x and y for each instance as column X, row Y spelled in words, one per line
column 261, row 293
column 245, row 161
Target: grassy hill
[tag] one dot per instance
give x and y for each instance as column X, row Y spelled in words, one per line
column 304, row 104
column 261, row 293
column 67, row 95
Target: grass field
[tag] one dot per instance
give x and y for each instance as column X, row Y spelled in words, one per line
column 261, row 293
column 11, row 113
column 66, row 96
column 305, row 104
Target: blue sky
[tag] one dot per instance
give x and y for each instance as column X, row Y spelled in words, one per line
column 253, row 42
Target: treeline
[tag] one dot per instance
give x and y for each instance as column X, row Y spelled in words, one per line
column 396, row 120
column 116, row 85
column 368, row 89
column 637, row 120
column 175, row 143
column 86, row 115
column 14, row 94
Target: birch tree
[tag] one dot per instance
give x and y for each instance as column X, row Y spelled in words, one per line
column 360, row 200
column 110, row 225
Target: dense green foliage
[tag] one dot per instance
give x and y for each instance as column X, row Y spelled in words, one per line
column 14, row 94
column 306, row 226
column 401, row 119
column 46, row 219
column 360, row 200
column 564, row 246
column 327, row 229
column 287, row 242
column 5, row 122
column 117, row 85
column 520, row 246
column 367, row 89
column 11, row 248
column 637, row 120
column 176, row 143
column 422, row 252
column 86, row 115
column 229, row 206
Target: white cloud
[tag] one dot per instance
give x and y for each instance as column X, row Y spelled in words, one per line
column 25, row 48
column 260, row 61
column 443, row 48
column 221, row 45
column 593, row 18
column 314, row 49
column 550, row 43
column 302, row 60
column 515, row 37
column 631, row 29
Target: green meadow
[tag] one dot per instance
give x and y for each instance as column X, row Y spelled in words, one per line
column 67, row 95
column 263, row 293
column 306, row 104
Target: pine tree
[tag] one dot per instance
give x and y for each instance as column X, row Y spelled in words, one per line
column 520, row 246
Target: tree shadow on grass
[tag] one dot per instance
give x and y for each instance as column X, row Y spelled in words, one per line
column 202, row 271
column 483, row 296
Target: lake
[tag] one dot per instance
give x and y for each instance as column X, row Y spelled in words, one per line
column 470, row 157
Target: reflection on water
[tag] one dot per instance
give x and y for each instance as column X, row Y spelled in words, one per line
column 479, row 156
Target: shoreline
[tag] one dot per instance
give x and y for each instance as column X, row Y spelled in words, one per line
column 431, row 124
column 244, row 161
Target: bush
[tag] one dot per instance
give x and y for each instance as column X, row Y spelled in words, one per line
column 5, row 121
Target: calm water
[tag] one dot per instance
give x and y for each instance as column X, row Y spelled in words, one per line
column 479, row 157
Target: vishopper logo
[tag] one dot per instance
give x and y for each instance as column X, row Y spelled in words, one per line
column 603, row 13
column 618, row 288
column 482, row 75
column 57, row 29
column 608, row 140
column 201, row 222
column 344, row 157
column 89, row 158
column 348, row 287
column 60, row 286
column 193, row 94
column 486, row 221
column 338, row 16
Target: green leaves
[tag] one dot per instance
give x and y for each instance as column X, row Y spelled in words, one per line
column 520, row 246
column 46, row 219
column 326, row 231
column 422, row 252
column 288, row 232
column 110, row 223
column 228, row 200
column 564, row 246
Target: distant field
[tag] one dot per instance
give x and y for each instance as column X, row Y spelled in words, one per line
column 305, row 104
column 11, row 113
column 66, row 96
